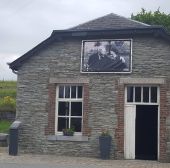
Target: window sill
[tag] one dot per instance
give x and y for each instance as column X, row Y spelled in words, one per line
column 75, row 138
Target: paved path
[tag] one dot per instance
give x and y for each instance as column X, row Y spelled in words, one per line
column 51, row 161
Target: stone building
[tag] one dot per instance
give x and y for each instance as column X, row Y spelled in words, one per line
column 109, row 73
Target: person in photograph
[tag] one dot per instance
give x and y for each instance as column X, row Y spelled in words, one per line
column 106, row 59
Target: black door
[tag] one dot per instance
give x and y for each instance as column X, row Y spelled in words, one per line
column 146, row 132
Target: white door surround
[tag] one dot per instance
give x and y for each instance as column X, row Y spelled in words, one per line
column 130, row 115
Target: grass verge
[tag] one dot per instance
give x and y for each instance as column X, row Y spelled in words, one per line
column 4, row 126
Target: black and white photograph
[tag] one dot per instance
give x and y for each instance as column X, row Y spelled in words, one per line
column 106, row 56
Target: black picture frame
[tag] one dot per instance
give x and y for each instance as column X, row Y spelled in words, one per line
column 106, row 56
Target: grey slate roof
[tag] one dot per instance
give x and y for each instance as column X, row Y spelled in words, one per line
column 110, row 24
column 110, row 21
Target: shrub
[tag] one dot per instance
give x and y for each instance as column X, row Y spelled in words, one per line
column 7, row 104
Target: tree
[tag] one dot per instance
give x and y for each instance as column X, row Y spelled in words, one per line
column 153, row 18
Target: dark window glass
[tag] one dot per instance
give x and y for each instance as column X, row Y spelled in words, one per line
column 61, row 91
column 73, row 91
column 79, row 91
column 129, row 94
column 145, row 94
column 67, row 91
column 76, row 124
column 137, row 94
column 62, row 123
column 63, row 108
column 153, row 94
column 76, row 108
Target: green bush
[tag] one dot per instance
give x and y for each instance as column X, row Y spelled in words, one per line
column 7, row 104
column 8, row 96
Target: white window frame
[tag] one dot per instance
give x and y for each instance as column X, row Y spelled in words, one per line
column 68, row 100
column 144, row 103
column 141, row 102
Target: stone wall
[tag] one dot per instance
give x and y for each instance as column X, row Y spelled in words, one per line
column 62, row 59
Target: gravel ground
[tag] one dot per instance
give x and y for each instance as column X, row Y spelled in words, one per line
column 51, row 161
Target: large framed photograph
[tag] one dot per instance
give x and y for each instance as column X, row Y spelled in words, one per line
column 106, row 56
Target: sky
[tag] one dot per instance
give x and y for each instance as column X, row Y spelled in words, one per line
column 26, row 23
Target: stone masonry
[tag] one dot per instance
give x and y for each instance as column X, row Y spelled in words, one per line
column 104, row 101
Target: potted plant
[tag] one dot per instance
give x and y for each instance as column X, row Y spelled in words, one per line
column 105, row 144
column 68, row 131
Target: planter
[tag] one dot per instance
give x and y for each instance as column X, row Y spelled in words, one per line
column 105, row 146
column 68, row 133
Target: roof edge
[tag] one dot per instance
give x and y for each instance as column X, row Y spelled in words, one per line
column 16, row 63
column 156, row 30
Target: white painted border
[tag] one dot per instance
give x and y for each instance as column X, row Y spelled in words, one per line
column 136, row 103
column 65, row 99
column 106, row 72
column 129, row 154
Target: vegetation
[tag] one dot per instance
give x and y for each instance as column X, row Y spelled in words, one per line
column 7, row 102
column 4, row 126
column 105, row 132
column 7, row 96
column 68, row 131
column 153, row 18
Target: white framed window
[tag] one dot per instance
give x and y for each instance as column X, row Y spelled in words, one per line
column 69, row 107
column 142, row 94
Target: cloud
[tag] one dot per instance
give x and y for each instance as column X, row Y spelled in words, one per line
column 26, row 23
column 5, row 72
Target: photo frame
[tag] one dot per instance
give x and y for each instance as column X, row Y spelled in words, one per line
column 106, row 56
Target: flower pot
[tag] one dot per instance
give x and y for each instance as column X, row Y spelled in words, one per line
column 68, row 133
column 105, row 146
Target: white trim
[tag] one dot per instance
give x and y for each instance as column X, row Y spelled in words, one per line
column 130, row 68
column 142, row 103
column 127, row 104
column 68, row 100
column 129, row 131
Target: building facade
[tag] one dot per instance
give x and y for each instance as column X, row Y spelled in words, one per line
column 109, row 73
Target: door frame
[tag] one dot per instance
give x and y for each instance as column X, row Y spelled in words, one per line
column 127, row 104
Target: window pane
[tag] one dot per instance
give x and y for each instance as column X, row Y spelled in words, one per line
column 73, row 91
column 62, row 123
column 67, row 91
column 63, row 108
column 79, row 91
column 153, row 94
column 76, row 108
column 137, row 94
column 76, row 124
column 61, row 91
column 129, row 94
column 145, row 94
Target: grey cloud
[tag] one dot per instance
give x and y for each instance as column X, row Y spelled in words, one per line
column 26, row 23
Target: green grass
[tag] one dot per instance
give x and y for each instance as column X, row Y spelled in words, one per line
column 8, row 84
column 4, row 126
column 8, row 92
